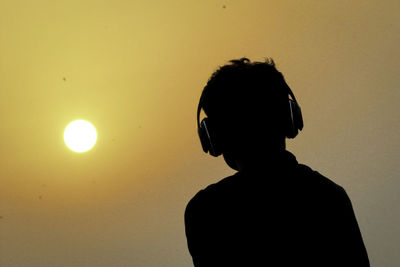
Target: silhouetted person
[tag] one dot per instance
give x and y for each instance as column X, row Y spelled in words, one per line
column 273, row 211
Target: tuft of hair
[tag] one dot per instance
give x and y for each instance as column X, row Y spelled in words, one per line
column 242, row 86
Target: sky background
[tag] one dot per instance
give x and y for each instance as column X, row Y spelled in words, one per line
column 135, row 70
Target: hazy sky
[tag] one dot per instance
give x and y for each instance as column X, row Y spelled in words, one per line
column 135, row 69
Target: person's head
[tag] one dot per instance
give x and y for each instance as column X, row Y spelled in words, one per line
column 247, row 106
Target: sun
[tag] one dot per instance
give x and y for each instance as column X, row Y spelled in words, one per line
column 80, row 136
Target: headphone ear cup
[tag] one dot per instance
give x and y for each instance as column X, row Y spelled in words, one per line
column 208, row 138
column 298, row 118
column 292, row 129
column 205, row 142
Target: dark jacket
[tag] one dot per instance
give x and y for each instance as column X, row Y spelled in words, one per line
column 285, row 215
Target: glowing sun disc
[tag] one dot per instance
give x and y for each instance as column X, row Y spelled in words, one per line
column 80, row 136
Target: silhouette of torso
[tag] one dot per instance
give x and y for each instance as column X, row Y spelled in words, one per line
column 284, row 215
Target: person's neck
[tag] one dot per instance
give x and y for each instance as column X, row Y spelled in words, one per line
column 261, row 160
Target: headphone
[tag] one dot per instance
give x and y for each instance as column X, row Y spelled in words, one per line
column 207, row 134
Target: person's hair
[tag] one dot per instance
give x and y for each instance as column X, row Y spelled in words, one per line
column 245, row 99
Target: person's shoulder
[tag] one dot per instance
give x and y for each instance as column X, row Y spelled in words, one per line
column 216, row 188
column 212, row 191
column 315, row 179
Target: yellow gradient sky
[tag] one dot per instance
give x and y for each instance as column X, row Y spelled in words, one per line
column 135, row 70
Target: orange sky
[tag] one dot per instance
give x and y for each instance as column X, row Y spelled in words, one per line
column 135, row 69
